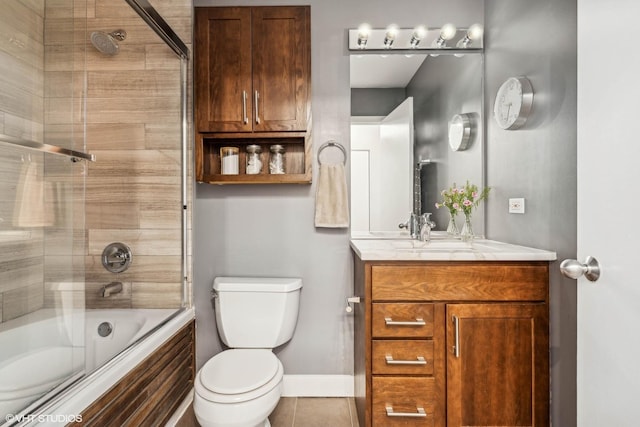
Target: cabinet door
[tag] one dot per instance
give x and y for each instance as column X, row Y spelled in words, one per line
column 281, row 68
column 223, row 69
column 497, row 365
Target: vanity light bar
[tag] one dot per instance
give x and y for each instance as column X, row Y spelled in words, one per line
column 447, row 38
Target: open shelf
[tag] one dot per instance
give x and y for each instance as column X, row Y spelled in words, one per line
column 297, row 158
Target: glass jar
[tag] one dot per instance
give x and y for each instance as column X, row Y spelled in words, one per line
column 254, row 164
column 276, row 161
column 229, row 163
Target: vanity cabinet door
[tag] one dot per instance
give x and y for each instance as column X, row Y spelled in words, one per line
column 497, row 369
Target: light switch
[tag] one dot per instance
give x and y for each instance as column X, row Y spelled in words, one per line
column 516, row 205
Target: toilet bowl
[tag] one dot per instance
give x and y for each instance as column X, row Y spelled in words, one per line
column 238, row 388
column 241, row 386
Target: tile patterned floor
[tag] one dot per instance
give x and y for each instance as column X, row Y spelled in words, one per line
column 303, row 412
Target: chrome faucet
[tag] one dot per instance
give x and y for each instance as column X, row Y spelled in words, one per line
column 412, row 225
column 426, row 225
column 419, row 226
column 111, row 288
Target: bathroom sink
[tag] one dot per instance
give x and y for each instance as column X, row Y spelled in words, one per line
column 448, row 245
column 380, row 235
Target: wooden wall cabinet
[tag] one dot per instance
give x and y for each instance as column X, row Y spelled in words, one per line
column 452, row 343
column 253, row 85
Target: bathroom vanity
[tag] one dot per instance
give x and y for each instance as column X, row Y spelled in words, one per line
column 450, row 333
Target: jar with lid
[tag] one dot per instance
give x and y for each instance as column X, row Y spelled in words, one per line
column 254, row 164
column 276, row 161
column 229, row 160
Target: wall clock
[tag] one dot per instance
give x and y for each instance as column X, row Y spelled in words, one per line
column 460, row 132
column 513, row 103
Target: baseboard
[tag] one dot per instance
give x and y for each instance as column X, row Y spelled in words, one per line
column 317, row 386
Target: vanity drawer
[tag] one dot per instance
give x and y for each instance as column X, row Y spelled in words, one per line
column 413, row 357
column 402, row 320
column 403, row 401
column 461, row 281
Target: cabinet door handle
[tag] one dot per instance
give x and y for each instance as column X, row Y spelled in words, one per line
column 245, row 119
column 418, row 322
column 419, row 414
column 419, row 361
column 257, row 97
column 456, row 326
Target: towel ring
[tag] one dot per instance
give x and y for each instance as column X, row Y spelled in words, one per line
column 332, row 143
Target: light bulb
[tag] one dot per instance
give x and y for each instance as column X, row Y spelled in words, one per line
column 448, row 31
column 418, row 34
column 363, row 35
column 475, row 32
column 390, row 35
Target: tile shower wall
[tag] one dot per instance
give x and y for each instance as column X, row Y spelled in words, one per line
column 133, row 191
column 132, row 113
column 21, row 116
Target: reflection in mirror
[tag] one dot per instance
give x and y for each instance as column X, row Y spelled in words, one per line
column 437, row 88
column 381, row 159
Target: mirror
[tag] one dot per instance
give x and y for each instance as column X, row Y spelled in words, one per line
column 401, row 158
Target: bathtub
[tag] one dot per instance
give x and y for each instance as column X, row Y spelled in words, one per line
column 43, row 350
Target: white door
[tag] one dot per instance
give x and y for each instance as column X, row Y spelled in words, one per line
column 608, row 383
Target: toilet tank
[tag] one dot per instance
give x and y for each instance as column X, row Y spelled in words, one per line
column 256, row 312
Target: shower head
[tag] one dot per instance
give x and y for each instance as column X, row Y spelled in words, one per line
column 107, row 43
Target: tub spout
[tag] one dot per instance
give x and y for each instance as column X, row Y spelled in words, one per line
column 111, row 288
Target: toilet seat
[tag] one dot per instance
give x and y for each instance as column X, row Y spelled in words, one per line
column 239, row 375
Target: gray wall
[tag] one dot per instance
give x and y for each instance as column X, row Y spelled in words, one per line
column 376, row 102
column 538, row 40
column 268, row 230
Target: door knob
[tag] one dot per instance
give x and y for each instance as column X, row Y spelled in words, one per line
column 573, row 269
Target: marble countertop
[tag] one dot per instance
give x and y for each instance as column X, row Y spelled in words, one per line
column 444, row 249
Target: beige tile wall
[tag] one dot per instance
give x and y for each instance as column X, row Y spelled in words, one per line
column 22, row 69
column 132, row 125
column 21, row 116
column 133, row 192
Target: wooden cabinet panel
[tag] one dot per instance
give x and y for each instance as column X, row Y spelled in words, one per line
column 281, row 61
column 406, row 357
column 499, row 374
column 402, row 320
column 253, row 68
column 253, row 86
column 223, row 84
column 403, row 395
column 460, row 281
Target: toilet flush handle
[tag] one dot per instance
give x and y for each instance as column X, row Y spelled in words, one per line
column 351, row 300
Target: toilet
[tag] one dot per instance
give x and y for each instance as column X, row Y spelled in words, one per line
column 241, row 386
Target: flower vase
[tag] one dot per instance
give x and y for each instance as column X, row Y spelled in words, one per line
column 467, row 229
column 452, row 228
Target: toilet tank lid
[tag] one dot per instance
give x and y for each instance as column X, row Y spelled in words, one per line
column 257, row 284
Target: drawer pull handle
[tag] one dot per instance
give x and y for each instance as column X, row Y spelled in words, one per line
column 419, row 414
column 418, row 322
column 419, row 361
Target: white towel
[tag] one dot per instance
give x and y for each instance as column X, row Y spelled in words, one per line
column 332, row 206
column 34, row 198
